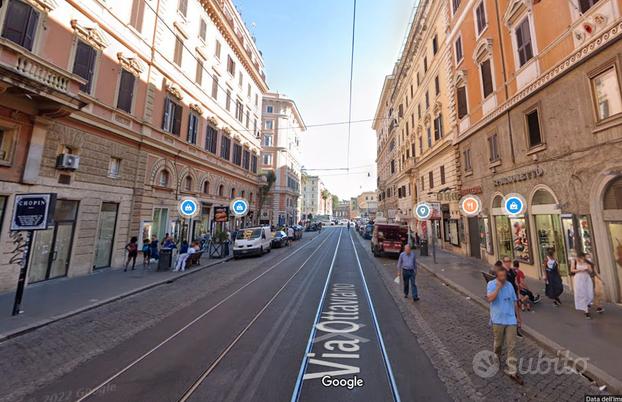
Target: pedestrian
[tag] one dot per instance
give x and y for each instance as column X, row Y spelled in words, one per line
column 407, row 267
column 599, row 288
column 290, row 233
column 553, row 280
column 132, row 253
column 183, row 249
column 146, row 252
column 154, row 248
column 505, row 318
column 511, row 274
column 417, row 239
column 583, row 286
column 348, row 226
column 526, row 296
column 168, row 242
column 182, row 258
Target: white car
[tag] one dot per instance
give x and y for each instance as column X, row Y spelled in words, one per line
column 252, row 241
column 344, row 222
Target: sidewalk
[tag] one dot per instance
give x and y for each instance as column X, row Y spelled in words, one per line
column 559, row 328
column 53, row 300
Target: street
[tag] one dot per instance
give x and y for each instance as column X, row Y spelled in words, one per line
column 273, row 328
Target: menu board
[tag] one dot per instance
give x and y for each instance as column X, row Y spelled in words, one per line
column 221, row 214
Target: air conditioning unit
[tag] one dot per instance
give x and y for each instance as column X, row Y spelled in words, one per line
column 67, row 162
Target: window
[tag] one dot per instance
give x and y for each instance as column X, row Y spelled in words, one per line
column 217, row 50
column 232, row 194
column 458, row 49
column 427, row 100
column 20, row 24
column 221, row 190
column 523, row 42
column 193, row 128
column 230, row 66
column 126, row 91
column 455, row 4
column 420, row 144
column 533, row 128
column 248, row 118
column 171, row 121
column 392, row 166
column 114, row 167
column 438, row 127
column 585, row 5
column 419, row 111
column 203, row 30
column 425, row 64
column 493, row 148
column 179, row 50
column 442, row 174
column 267, row 159
column 246, row 159
column 435, row 44
column 462, row 102
column 211, row 138
column 138, row 14
column 228, row 100
column 606, row 88
column 429, row 132
column 199, row 73
column 253, row 167
column 248, row 91
column 467, row 160
column 239, row 110
column 215, row 87
column 422, row 183
column 240, row 79
column 437, row 86
column 480, row 17
column 84, row 64
column 431, row 179
column 418, row 79
column 188, row 183
column 182, row 7
column 267, row 140
column 237, row 154
column 225, row 147
column 269, row 109
column 165, row 178
column 6, row 146
column 486, row 78
column 206, row 187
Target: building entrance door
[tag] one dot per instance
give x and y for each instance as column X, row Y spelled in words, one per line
column 615, row 235
column 474, row 240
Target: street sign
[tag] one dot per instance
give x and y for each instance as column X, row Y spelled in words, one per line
column 32, row 211
column 514, row 204
column 423, row 211
column 188, row 207
column 239, row 206
column 470, row 205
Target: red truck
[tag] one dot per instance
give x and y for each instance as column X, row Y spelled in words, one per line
column 388, row 238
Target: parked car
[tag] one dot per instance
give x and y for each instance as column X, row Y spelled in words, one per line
column 388, row 239
column 312, row 227
column 252, row 241
column 280, row 239
column 298, row 232
column 367, row 232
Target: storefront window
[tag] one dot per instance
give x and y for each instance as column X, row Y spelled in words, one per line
column 520, row 240
column 485, row 238
column 585, row 235
column 549, row 232
column 504, row 236
column 453, row 233
column 105, row 234
column 159, row 227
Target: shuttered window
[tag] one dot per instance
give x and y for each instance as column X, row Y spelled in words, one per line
column 225, row 148
column 523, row 42
column 193, row 128
column 20, row 24
column 486, row 78
column 211, row 138
column 84, row 64
column 171, row 121
column 126, row 91
column 462, row 102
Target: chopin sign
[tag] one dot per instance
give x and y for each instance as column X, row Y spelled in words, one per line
column 515, row 178
column 32, row 211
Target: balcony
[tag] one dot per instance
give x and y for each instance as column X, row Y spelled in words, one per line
column 22, row 72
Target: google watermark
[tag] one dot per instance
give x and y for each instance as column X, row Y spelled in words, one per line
column 486, row 364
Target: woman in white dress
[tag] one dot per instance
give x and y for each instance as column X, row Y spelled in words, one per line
column 583, row 286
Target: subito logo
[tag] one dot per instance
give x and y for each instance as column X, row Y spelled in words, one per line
column 485, row 364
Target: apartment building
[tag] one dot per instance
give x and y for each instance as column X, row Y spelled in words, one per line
column 538, row 112
column 282, row 127
column 317, row 200
column 121, row 108
column 367, row 204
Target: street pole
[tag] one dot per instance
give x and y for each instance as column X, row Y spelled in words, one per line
column 21, row 281
column 434, row 242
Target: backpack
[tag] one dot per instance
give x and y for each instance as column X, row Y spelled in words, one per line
column 146, row 248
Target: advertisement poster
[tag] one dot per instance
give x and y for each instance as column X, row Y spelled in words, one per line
column 520, row 240
column 221, row 214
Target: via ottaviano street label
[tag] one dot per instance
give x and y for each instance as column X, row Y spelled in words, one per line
column 514, row 204
column 240, row 207
column 423, row 211
column 188, row 207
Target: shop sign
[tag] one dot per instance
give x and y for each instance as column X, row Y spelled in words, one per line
column 436, row 210
column 32, row 211
column 448, row 196
column 471, row 190
column 221, row 214
column 528, row 175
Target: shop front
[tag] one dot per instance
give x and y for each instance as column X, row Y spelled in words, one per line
column 548, row 230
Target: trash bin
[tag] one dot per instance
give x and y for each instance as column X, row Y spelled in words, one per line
column 166, row 257
column 423, row 248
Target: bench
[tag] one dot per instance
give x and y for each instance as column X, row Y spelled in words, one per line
column 194, row 259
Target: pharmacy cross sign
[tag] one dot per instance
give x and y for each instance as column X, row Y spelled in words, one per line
column 240, row 207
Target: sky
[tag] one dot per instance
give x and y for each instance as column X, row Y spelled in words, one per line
column 306, row 46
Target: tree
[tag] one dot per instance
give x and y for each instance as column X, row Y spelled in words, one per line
column 335, row 201
column 264, row 190
column 325, row 194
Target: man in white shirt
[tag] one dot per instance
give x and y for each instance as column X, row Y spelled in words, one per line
column 182, row 258
column 290, row 233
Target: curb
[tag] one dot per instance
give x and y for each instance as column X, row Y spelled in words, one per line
column 44, row 322
column 591, row 371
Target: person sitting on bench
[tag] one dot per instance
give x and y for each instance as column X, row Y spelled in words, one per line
column 182, row 258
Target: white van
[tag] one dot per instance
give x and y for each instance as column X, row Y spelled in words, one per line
column 252, row 241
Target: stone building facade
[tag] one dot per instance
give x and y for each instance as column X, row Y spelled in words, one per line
column 156, row 101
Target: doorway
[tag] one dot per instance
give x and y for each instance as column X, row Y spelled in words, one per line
column 105, row 235
column 51, row 250
column 474, row 241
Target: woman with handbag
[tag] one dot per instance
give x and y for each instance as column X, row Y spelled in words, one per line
column 583, row 285
column 554, row 286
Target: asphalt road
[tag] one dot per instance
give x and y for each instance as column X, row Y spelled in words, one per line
column 298, row 318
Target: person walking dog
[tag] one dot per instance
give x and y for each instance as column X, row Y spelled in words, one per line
column 407, row 267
